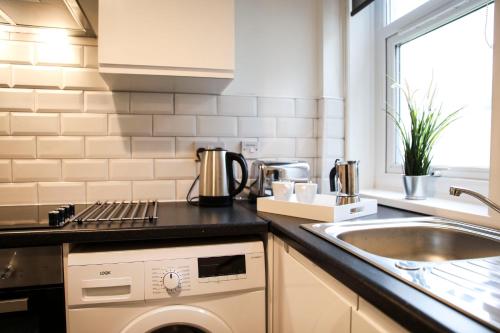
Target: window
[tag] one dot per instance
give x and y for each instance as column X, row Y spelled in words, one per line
column 399, row 8
column 452, row 46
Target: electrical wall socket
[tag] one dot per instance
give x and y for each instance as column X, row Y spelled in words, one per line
column 250, row 149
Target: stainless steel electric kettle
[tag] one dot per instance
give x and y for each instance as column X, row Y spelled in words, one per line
column 217, row 181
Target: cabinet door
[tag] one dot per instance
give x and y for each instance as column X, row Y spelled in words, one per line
column 167, row 37
column 307, row 299
column 368, row 319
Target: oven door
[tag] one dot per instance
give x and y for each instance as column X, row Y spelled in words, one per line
column 32, row 310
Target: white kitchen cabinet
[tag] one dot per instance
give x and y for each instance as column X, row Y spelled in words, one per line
column 306, row 298
column 167, row 43
column 369, row 319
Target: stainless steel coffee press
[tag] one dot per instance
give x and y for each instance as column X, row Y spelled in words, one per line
column 344, row 179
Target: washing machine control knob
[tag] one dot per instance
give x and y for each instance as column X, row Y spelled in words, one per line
column 172, row 281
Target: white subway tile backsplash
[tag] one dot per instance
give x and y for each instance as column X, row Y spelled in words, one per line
column 4, row 123
column 36, row 170
column 106, row 102
column 128, row 125
column 174, row 125
column 331, row 128
column 61, row 192
column 184, row 147
column 14, row 52
column 306, row 108
column 83, row 136
column 58, row 54
column 153, row 147
column 182, row 188
column 331, row 148
column 217, row 126
column 59, row 101
column 195, row 104
column 257, row 127
column 161, row 190
column 276, row 107
column 5, row 75
column 85, row 170
column 330, row 108
column 105, row 191
column 22, row 123
column 17, row 147
column 60, row 147
column 83, row 78
column 306, row 147
column 5, row 171
column 107, row 147
column 276, row 147
column 175, row 169
column 295, row 128
column 84, row 124
column 90, row 56
column 152, row 103
column 130, row 169
column 17, row 99
column 18, row 194
column 237, row 105
column 36, row 76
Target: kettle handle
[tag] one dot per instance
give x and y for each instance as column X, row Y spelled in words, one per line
column 334, row 177
column 198, row 152
column 238, row 158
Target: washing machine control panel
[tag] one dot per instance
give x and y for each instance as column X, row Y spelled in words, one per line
column 203, row 269
column 168, row 277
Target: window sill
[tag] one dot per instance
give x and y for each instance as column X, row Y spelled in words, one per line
column 452, row 209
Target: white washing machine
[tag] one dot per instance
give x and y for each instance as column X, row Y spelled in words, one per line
column 204, row 288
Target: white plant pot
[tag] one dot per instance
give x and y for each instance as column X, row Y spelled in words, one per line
column 416, row 187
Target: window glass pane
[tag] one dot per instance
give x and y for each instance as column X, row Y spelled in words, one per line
column 458, row 56
column 398, row 8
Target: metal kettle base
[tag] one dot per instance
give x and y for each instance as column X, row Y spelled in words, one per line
column 215, row 201
column 347, row 199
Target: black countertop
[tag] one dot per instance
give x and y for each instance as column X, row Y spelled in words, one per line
column 176, row 220
column 405, row 304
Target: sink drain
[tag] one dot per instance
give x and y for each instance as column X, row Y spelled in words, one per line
column 407, row 265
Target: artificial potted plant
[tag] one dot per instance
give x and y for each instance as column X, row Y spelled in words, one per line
column 426, row 123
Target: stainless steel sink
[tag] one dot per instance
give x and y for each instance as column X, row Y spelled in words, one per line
column 457, row 263
column 420, row 241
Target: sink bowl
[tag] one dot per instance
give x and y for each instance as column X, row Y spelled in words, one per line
column 421, row 242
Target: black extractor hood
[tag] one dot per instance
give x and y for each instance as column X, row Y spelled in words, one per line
column 358, row 5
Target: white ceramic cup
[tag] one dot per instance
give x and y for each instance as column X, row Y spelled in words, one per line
column 282, row 190
column 306, row 192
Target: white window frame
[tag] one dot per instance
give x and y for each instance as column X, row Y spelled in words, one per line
column 427, row 17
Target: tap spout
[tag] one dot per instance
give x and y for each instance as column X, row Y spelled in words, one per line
column 457, row 191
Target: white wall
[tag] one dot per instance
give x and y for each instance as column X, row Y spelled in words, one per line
column 360, row 80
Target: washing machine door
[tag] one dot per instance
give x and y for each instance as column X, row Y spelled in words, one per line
column 177, row 319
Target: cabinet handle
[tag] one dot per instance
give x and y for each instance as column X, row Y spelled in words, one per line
column 14, row 305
